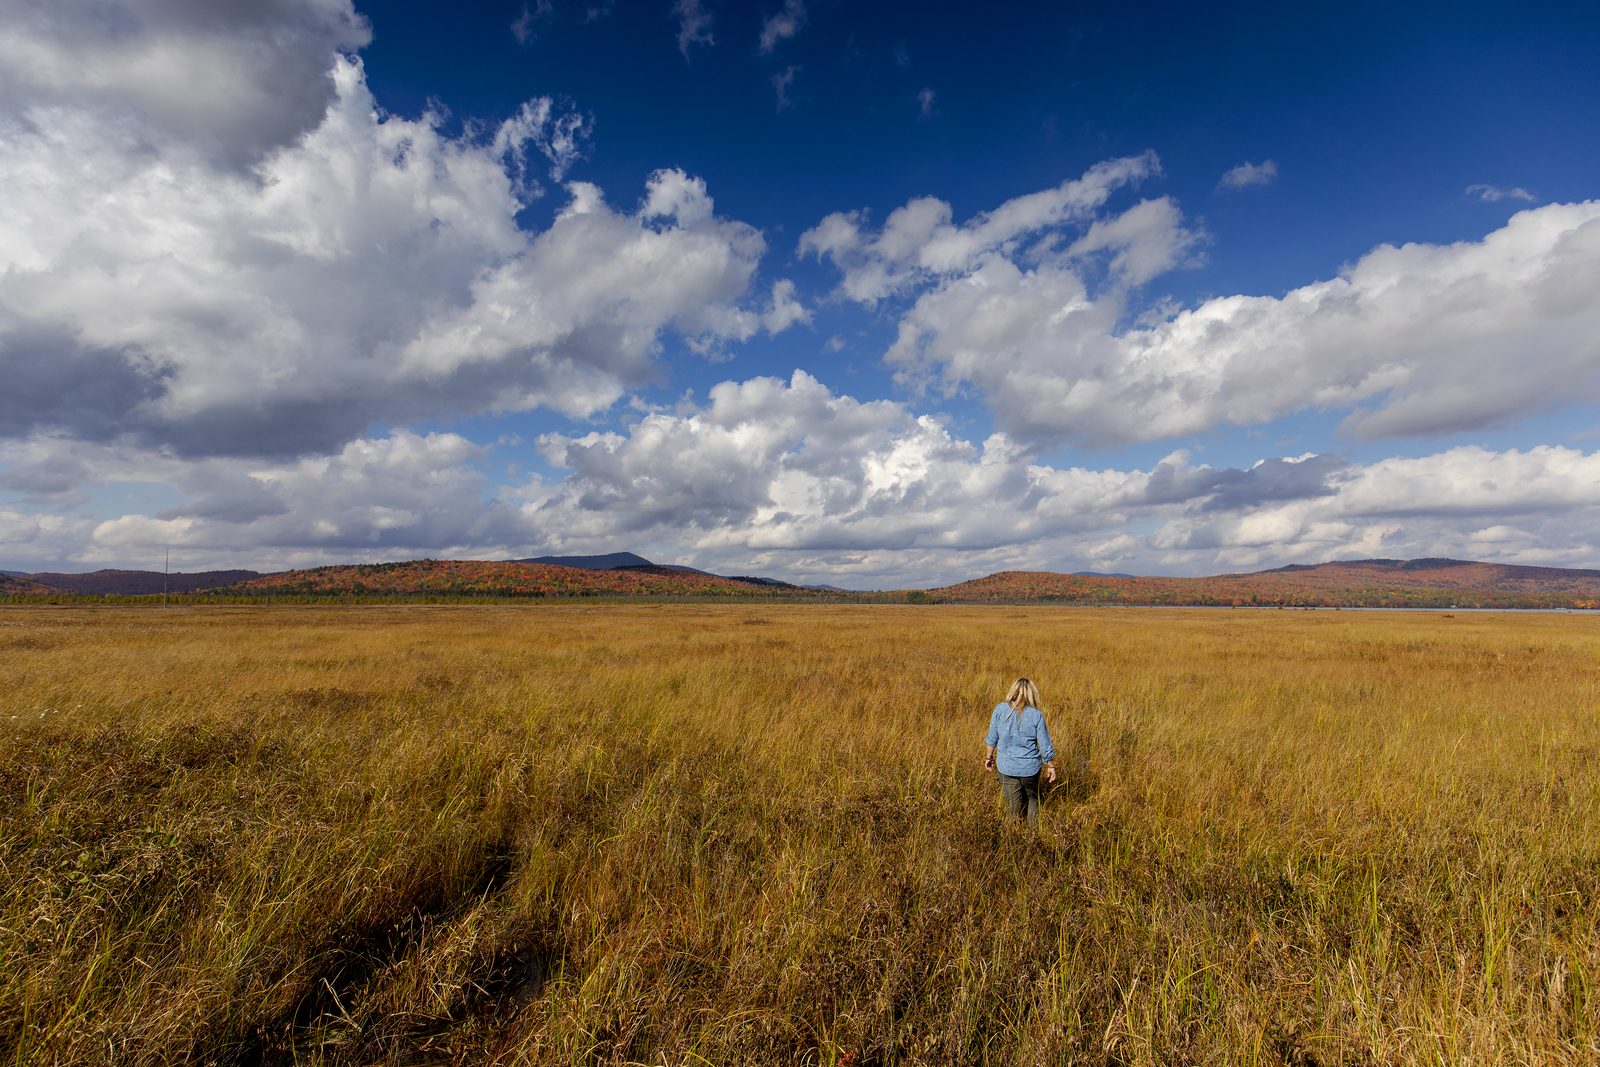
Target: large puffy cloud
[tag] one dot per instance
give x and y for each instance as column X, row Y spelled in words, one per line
column 773, row 463
column 233, row 80
column 918, row 245
column 1416, row 340
column 792, row 477
column 1539, row 507
column 221, row 263
column 363, row 267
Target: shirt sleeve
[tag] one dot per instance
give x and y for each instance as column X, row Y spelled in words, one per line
column 1047, row 749
column 994, row 729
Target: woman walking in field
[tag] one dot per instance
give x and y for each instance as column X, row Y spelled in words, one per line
column 1018, row 743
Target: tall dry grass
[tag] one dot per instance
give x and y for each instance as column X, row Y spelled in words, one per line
column 733, row 835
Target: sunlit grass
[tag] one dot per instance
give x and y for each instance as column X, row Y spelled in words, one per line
column 762, row 835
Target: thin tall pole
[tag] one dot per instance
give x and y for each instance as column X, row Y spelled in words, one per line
column 164, row 575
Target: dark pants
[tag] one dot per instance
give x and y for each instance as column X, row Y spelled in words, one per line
column 1021, row 796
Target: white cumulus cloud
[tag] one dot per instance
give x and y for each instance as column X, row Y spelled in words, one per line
column 780, row 84
column 232, row 81
column 784, row 24
column 367, row 267
column 919, row 245
column 525, row 28
column 1247, row 174
column 1415, row 340
column 1491, row 193
column 402, row 495
column 694, row 25
column 793, row 476
column 1451, row 504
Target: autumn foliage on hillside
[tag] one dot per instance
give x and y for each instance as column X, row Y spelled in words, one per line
column 140, row 583
column 1360, row 583
column 1424, row 583
column 476, row 578
column 10, row 586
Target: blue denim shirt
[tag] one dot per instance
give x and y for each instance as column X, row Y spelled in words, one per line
column 1020, row 749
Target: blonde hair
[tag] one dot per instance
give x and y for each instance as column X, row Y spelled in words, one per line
column 1024, row 694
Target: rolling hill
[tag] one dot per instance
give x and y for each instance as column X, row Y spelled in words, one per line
column 10, row 586
column 609, row 561
column 140, row 583
column 502, row 579
column 1371, row 583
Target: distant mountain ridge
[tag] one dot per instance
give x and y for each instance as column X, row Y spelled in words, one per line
column 1339, row 583
column 1386, row 567
column 140, row 583
column 503, row 578
column 111, row 582
column 10, row 585
column 1431, row 583
column 616, row 561
column 609, row 561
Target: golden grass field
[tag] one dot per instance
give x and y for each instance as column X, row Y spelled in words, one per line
column 762, row 835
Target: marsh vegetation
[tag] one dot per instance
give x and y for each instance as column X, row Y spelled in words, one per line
column 736, row 835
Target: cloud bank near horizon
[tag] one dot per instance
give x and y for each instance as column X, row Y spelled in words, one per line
column 227, row 292
column 789, row 477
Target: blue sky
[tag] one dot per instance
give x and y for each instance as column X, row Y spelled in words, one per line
column 872, row 295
